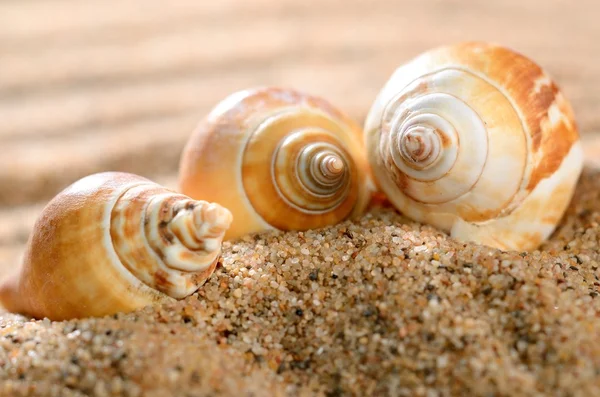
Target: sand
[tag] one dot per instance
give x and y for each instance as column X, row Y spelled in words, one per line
column 377, row 306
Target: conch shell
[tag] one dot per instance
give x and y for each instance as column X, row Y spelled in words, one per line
column 477, row 140
column 278, row 159
column 114, row 242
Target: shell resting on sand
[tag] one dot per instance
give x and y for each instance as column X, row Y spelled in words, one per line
column 478, row 141
column 278, row 159
column 114, row 242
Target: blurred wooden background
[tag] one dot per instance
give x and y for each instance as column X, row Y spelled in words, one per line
column 94, row 86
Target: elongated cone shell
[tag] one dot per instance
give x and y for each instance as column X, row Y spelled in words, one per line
column 477, row 140
column 278, row 159
column 114, row 242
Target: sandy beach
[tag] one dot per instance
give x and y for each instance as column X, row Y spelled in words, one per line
column 378, row 306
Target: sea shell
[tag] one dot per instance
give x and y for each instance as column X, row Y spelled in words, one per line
column 477, row 140
column 114, row 242
column 277, row 159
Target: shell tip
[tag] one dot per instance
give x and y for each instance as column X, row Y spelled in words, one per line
column 335, row 165
column 218, row 216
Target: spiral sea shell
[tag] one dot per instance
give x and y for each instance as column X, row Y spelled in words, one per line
column 278, row 159
column 114, row 242
column 477, row 140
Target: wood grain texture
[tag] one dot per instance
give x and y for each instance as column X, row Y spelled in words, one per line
column 88, row 87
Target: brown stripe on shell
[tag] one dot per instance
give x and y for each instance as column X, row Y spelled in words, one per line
column 165, row 216
column 161, row 280
column 420, row 143
column 520, row 78
column 400, row 178
column 538, row 111
column 445, row 141
column 553, row 149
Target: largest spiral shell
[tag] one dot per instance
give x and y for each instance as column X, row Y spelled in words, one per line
column 477, row 140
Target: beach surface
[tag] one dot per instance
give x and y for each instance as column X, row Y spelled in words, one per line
column 375, row 306
column 378, row 306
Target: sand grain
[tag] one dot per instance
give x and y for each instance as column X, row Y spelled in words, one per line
column 380, row 306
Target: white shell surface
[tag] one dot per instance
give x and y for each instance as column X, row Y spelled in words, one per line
column 463, row 136
column 536, row 216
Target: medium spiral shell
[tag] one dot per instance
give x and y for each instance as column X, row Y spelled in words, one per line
column 114, row 242
column 278, row 159
column 477, row 140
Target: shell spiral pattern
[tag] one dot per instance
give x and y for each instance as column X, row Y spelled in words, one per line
column 168, row 241
column 477, row 140
column 278, row 159
column 115, row 242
